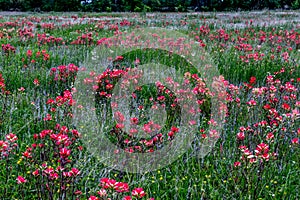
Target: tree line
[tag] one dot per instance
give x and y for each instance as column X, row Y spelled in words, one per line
column 145, row 5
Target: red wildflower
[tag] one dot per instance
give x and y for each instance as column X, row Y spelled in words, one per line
column 134, row 120
column 138, row 192
column 286, row 106
column 240, row 136
column 295, row 141
column 119, row 58
column 102, row 192
column 35, row 173
column 11, row 137
column 262, row 148
column 36, row 82
column 237, row 164
column 252, row 80
column 251, row 102
column 64, row 152
column 21, row 179
column 270, row 136
column 77, row 192
column 93, row 198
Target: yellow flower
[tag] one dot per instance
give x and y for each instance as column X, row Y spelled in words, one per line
column 19, row 161
column 207, row 176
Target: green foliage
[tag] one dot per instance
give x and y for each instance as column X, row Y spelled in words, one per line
column 215, row 176
column 145, row 5
column 4, row 5
column 296, row 4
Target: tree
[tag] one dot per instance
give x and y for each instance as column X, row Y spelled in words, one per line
column 4, row 5
column 296, row 4
column 66, row 5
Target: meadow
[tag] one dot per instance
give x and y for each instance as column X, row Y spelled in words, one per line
column 225, row 85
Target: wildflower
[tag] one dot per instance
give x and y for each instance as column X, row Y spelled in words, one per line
column 27, row 154
column 107, row 183
column 75, row 171
column 21, row 89
column 93, row 198
column 77, row 192
column 265, row 156
column 11, row 137
column 64, row 152
column 137, row 61
column 240, row 136
column 252, row 80
column 120, row 126
column 138, row 192
column 253, row 160
column 121, row 187
column 102, row 192
column 48, row 117
column 192, row 122
column 8, row 48
column 53, row 176
column 29, row 53
column 171, row 134
column 101, row 41
column 49, row 170
column 262, row 148
column 251, row 102
column 3, row 145
column 119, row 58
column 237, row 164
column 286, row 106
column 134, row 120
column 270, row 136
column 174, row 129
column 36, row 82
column 35, row 173
column 21, row 180
column 295, row 141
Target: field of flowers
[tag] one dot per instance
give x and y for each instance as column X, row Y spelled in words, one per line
column 252, row 130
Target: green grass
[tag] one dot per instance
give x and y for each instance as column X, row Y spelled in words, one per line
column 190, row 176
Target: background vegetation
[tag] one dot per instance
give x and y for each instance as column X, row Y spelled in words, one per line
column 42, row 155
column 145, row 5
